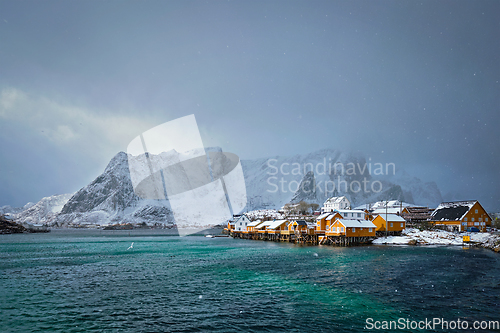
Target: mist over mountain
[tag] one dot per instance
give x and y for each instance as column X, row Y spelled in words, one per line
column 270, row 183
column 314, row 177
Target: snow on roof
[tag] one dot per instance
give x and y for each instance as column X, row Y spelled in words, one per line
column 322, row 216
column 331, row 216
column 276, row 224
column 453, row 204
column 261, row 213
column 264, row 224
column 393, row 218
column 421, row 210
column 382, row 211
column 382, row 204
column 356, row 223
column 349, row 211
column 453, row 210
column 254, row 223
column 335, row 199
column 240, row 217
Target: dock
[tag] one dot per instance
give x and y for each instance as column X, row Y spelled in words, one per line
column 309, row 237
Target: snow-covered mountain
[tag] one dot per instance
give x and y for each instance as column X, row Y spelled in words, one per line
column 44, row 211
column 110, row 199
column 273, row 182
column 270, row 183
column 14, row 210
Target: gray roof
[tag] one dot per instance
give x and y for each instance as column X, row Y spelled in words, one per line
column 452, row 211
column 357, row 223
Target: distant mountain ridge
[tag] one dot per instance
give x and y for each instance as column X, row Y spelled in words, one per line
column 270, row 183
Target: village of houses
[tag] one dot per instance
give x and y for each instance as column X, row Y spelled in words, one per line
column 337, row 223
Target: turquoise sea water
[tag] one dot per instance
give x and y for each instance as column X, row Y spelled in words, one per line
column 87, row 281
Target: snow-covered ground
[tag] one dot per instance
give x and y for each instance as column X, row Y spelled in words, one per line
column 441, row 237
column 261, row 213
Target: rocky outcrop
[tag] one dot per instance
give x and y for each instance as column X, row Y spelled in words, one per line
column 10, row 227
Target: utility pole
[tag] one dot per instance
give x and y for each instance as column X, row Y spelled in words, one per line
column 386, row 222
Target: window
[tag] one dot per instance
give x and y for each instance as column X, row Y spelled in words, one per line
column 472, row 219
column 353, row 230
column 464, row 223
column 345, row 214
column 486, row 219
column 370, row 229
column 476, row 211
column 342, row 229
column 465, row 219
column 359, row 214
column 476, row 223
column 480, row 219
column 391, row 225
column 401, row 225
column 360, row 228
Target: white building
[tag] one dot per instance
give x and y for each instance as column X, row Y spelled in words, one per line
column 240, row 224
column 354, row 214
column 336, row 203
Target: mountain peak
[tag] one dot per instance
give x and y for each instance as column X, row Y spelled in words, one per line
column 120, row 159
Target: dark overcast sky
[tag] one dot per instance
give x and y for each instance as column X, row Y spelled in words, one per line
column 415, row 83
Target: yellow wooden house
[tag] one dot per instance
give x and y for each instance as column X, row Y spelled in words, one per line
column 461, row 215
column 389, row 223
column 325, row 220
column 251, row 227
column 300, row 226
column 321, row 222
column 351, row 228
column 331, row 218
column 262, row 228
column 276, row 226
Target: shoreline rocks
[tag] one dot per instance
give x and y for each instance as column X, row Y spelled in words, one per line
column 10, row 227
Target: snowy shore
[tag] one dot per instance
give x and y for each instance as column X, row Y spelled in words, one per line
column 441, row 237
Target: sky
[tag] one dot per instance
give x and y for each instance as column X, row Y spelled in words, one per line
column 415, row 83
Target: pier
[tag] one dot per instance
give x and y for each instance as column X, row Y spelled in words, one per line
column 309, row 237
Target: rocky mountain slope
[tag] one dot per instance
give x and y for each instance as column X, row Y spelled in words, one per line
column 110, row 199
